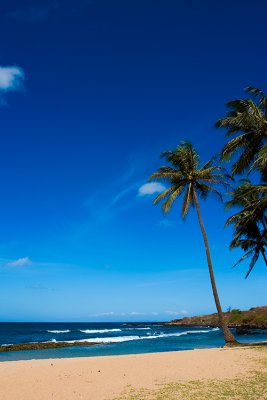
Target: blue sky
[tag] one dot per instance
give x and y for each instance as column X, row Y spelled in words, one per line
column 91, row 93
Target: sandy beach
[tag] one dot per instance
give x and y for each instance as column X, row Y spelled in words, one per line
column 104, row 378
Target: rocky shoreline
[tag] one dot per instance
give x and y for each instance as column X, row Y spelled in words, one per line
column 42, row 346
column 243, row 321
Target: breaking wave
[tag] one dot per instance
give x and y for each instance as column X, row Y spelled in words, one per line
column 99, row 330
column 120, row 339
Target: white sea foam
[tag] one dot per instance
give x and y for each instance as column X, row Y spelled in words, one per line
column 99, row 330
column 138, row 329
column 120, row 339
column 65, row 331
column 117, row 339
column 162, row 335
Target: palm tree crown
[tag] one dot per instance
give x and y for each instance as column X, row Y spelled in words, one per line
column 247, row 121
column 185, row 176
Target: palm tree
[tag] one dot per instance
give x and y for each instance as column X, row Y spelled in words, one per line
column 247, row 121
column 185, row 176
column 250, row 231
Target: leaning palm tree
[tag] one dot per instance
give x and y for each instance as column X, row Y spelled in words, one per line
column 186, row 177
column 246, row 120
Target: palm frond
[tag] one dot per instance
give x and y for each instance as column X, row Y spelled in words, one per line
column 163, row 195
column 242, row 258
column 166, row 206
column 254, row 91
column 204, row 190
column 166, row 173
column 253, row 262
column 188, row 201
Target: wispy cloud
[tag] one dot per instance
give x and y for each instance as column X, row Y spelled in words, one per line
column 123, row 193
column 20, row 262
column 136, row 313
column 176, row 313
column 39, row 286
column 11, row 78
column 123, row 314
column 151, row 188
column 166, row 223
column 104, row 314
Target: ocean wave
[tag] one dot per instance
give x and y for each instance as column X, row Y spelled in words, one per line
column 119, row 339
column 162, row 335
column 99, row 330
column 138, row 329
column 65, row 331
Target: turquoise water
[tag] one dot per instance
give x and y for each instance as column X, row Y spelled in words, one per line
column 113, row 338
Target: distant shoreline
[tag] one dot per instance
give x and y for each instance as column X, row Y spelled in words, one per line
column 243, row 321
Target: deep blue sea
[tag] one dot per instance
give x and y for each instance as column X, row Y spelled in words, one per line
column 113, row 338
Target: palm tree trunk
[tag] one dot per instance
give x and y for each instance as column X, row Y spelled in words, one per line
column 228, row 336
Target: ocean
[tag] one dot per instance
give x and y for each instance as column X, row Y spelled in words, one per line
column 113, row 338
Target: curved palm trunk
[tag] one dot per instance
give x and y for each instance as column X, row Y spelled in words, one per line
column 228, row 336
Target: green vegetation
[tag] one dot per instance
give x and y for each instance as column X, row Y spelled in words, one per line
column 253, row 387
column 255, row 318
column 186, row 177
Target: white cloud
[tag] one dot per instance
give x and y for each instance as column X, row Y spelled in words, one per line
column 151, row 188
column 122, row 314
column 184, row 312
column 21, row 262
column 136, row 313
column 181, row 312
column 104, row 314
column 11, row 78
